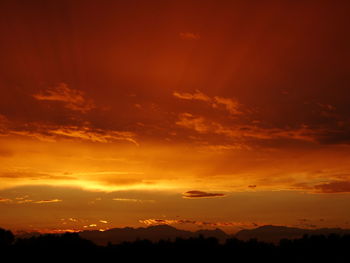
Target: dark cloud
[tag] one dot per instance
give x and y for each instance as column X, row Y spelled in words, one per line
column 334, row 187
column 201, row 194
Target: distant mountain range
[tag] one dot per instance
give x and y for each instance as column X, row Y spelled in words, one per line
column 271, row 233
column 153, row 233
column 268, row 233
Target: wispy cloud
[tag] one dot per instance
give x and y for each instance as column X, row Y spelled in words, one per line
column 71, row 98
column 132, row 200
column 230, row 104
column 201, row 194
column 203, row 125
column 47, row 201
column 190, row 121
column 192, row 96
column 22, row 200
column 154, row 221
column 94, row 135
column 52, row 133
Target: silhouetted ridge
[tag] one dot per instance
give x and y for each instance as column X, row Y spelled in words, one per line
column 152, row 233
column 272, row 233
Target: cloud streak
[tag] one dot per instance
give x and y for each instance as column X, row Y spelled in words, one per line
column 23, row 200
column 230, row 104
column 72, row 99
column 203, row 125
column 200, row 194
column 155, row 221
column 132, row 200
column 52, row 133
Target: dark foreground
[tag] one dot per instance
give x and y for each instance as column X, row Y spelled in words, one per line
column 71, row 247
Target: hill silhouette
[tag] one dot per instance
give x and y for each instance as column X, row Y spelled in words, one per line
column 271, row 233
column 267, row 233
column 152, row 233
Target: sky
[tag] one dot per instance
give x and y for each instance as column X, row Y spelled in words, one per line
column 196, row 114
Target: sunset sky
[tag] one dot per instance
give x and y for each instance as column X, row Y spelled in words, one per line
column 198, row 114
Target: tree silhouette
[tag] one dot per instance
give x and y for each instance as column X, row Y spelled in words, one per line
column 317, row 248
column 6, row 237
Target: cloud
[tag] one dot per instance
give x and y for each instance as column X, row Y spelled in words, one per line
column 24, row 200
column 192, row 96
column 94, row 135
column 333, row 187
column 34, row 176
column 189, row 36
column 132, row 200
column 47, row 201
column 200, row 194
column 154, row 221
column 91, row 225
column 230, row 104
column 202, row 125
column 224, row 147
column 196, row 123
column 52, row 133
column 72, row 99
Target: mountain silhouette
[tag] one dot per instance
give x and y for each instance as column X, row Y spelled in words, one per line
column 152, row 233
column 267, row 233
column 270, row 233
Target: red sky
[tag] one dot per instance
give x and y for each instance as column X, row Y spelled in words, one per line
column 197, row 114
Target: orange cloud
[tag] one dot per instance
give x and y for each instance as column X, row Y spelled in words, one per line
column 192, row 96
column 94, row 135
column 196, row 123
column 200, row 194
column 51, row 133
column 72, row 99
column 202, row 125
column 34, row 176
column 153, row 221
column 47, row 201
column 231, row 105
column 22, row 200
column 132, row 200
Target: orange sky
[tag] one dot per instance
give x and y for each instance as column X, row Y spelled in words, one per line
column 198, row 114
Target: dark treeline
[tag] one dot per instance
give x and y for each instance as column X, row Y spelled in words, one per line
column 50, row 247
